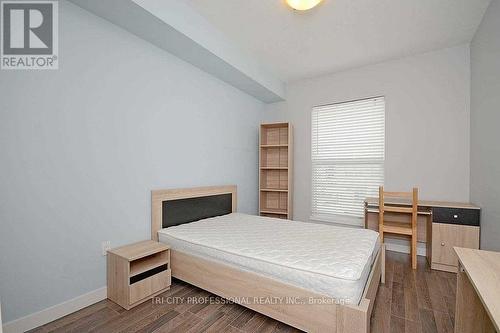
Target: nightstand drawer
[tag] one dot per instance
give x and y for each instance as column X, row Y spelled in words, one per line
column 456, row 216
column 149, row 286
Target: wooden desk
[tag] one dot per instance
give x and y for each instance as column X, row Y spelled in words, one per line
column 424, row 204
column 478, row 291
column 441, row 225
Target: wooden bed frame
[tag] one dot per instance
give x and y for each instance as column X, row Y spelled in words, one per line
column 298, row 307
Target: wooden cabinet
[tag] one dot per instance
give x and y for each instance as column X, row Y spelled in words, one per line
column 138, row 272
column 450, row 228
column 275, row 170
column 445, row 237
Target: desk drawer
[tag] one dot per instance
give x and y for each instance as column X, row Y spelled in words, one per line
column 456, row 216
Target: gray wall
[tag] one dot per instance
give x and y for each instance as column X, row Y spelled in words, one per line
column 485, row 122
column 427, row 122
column 81, row 148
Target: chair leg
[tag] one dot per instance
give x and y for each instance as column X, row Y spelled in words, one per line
column 414, row 251
column 382, row 276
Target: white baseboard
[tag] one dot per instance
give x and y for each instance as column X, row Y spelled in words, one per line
column 405, row 248
column 54, row 312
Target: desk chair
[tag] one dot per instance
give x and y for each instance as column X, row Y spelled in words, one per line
column 399, row 228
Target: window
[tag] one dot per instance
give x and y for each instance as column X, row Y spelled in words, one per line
column 347, row 150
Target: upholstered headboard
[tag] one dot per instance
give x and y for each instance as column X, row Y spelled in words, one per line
column 178, row 206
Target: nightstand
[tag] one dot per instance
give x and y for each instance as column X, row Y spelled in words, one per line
column 138, row 272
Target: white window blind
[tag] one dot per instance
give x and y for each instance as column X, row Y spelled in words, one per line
column 348, row 148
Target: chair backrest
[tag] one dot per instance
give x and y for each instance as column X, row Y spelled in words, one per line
column 398, row 206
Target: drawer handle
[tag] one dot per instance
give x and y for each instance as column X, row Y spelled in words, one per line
column 455, row 216
column 442, row 244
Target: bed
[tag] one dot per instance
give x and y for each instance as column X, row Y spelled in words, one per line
column 317, row 278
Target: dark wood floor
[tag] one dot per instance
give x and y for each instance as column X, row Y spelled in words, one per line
column 410, row 301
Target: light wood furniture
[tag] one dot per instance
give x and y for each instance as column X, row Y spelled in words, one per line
column 318, row 313
column 441, row 225
column 275, row 170
column 444, row 238
column 160, row 196
column 478, row 292
column 138, row 272
column 398, row 227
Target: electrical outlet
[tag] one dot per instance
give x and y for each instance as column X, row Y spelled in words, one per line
column 105, row 246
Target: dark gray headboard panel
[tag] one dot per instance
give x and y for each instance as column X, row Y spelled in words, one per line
column 180, row 211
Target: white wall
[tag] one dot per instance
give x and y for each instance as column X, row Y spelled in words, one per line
column 427, row 122
column 82, row 147
column 485, row 121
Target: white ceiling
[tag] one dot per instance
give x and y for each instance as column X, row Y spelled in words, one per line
column 340, row 34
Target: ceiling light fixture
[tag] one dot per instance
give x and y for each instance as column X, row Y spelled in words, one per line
column 303, row 4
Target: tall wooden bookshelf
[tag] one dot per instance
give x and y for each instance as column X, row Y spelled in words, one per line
column 275, row 170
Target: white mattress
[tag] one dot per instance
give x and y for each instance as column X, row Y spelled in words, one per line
column 329, row 260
